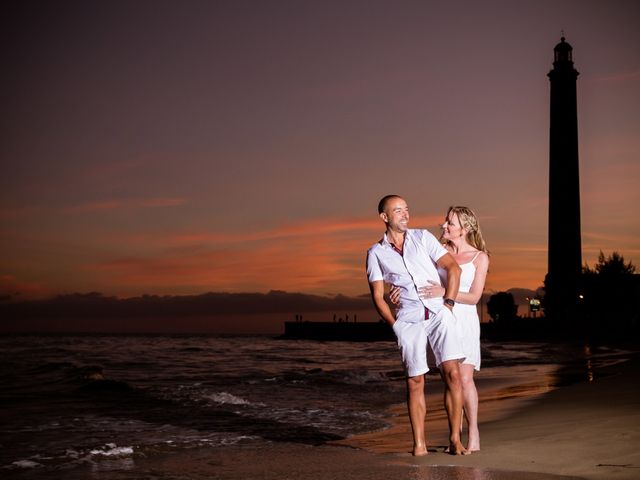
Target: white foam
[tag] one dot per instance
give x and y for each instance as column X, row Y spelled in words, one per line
column 238, row 439
column 112, row 450
column 229, row 399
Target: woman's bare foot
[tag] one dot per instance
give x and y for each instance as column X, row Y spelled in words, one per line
column 473, row 445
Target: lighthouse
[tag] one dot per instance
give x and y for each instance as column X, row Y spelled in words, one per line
column 562, row 283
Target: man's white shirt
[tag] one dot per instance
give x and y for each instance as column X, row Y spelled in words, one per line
column 414, row 268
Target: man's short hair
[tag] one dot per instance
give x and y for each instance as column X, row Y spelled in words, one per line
column 382, row 204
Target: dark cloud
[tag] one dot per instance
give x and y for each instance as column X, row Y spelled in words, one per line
column 97, row 305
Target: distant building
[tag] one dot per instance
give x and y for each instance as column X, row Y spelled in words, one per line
column 562, row 283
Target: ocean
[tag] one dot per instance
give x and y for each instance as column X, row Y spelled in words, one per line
column 105, row 401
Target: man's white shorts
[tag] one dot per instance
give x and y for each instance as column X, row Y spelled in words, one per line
column 439, row 332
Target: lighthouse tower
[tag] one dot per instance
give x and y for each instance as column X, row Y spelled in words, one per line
column 565, row 245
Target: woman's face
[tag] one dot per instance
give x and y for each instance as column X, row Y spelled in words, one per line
column 451, row 228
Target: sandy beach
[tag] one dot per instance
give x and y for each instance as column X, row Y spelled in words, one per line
column 589, row 430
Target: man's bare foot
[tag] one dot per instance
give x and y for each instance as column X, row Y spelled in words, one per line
column 420, row 451
column 457, row 449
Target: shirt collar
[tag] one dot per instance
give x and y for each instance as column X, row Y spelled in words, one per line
column 387, row 244
column 384, row 241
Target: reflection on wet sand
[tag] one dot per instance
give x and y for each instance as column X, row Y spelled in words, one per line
column 500, row 396
column 471, row 473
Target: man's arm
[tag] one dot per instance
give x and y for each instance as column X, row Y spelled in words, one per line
column 377, row 294
column 448, row 263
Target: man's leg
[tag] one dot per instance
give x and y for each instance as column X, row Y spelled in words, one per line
column 470, row 400
column 417, row 413
column 450, row 371
column 412, row 341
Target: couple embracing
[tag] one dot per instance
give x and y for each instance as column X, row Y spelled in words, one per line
column 434, row 291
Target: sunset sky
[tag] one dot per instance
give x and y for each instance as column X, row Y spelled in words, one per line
column 182, row 147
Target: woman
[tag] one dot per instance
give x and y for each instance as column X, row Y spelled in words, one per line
column 462, row 236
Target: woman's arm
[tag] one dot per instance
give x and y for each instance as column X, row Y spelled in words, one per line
column 477, row 286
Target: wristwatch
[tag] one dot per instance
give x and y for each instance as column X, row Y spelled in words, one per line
column 449, row 301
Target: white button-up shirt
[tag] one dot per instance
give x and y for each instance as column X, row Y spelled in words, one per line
column 414, row 268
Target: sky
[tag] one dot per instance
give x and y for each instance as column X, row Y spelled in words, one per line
column 185, row 147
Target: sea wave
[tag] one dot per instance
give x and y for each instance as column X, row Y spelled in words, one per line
column 362, row 377
column 96, row 400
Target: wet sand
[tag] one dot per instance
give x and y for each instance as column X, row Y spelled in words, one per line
column 590, row 429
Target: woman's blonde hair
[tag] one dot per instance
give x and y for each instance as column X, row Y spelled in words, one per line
column 469, row 220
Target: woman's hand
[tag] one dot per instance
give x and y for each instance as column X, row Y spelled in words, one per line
column 394, row 295
column 431, row 291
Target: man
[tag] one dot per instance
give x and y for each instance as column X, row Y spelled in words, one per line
column 407, row 258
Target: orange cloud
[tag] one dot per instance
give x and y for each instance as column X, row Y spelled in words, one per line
column 10, row 286
column 311, row 256
column 331, row 226
column 281, row 260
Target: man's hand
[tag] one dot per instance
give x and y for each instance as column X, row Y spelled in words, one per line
column 377, row 294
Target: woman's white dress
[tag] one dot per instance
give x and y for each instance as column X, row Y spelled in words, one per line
column 467, row 315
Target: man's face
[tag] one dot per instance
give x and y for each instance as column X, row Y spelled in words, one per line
column 396, row 215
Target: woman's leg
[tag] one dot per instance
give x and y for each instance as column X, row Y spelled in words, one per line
column 470, row 395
